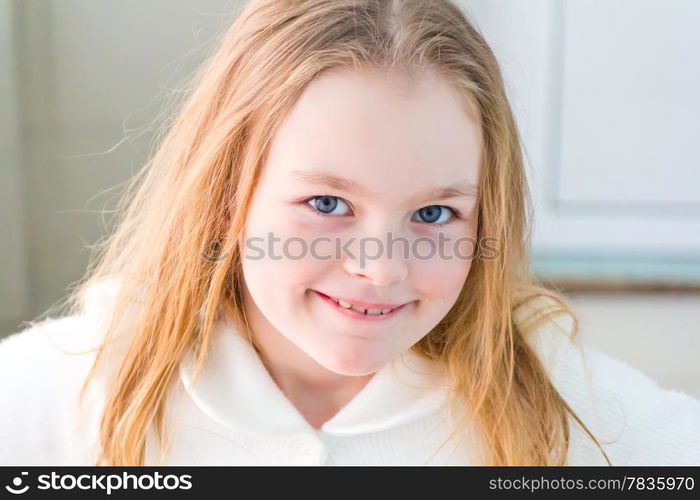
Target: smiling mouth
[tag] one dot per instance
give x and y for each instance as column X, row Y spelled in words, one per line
column 359, row 309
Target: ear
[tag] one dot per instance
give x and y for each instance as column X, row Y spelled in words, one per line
column 225, row 224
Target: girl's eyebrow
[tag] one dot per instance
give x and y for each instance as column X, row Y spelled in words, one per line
column 459, row 190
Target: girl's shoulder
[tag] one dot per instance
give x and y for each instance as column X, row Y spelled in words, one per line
column 43, row 355
column 637, row 421
column 45, row 341
column 66, row 342
column 42, row 370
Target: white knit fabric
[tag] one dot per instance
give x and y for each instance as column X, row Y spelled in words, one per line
column 235, row 414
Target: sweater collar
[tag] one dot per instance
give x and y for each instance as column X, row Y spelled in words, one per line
column 235, row 389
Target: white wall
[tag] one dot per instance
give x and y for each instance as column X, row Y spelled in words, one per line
column 606, row 97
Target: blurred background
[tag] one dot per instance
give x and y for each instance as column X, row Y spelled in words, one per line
column 605, row 93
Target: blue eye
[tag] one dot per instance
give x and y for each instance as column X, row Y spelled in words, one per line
column 325, row 205
column 435, row 213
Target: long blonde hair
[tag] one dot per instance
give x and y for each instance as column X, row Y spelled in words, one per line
column 200, row 181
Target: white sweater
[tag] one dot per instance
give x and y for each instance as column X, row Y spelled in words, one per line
column 237, row 415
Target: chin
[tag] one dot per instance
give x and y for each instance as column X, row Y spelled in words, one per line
column 352, row 361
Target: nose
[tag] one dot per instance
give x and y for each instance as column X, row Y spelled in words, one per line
column 371, row 259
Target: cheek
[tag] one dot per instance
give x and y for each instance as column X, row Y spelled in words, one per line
column 441, row 280
column 277, row 254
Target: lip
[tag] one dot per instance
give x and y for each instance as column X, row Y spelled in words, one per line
column 357, row 315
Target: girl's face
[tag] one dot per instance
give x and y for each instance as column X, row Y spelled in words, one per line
column 361, row 160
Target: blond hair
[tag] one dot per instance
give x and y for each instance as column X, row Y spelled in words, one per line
column 201, row 179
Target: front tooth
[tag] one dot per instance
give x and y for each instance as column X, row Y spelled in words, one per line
column 359, row 309
column 346, row 305
column 386, row 311
column 374, row 311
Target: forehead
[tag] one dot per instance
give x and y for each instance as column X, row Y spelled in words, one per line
column 381, row 130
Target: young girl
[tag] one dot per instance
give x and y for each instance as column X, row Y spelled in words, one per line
column 326, row 262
